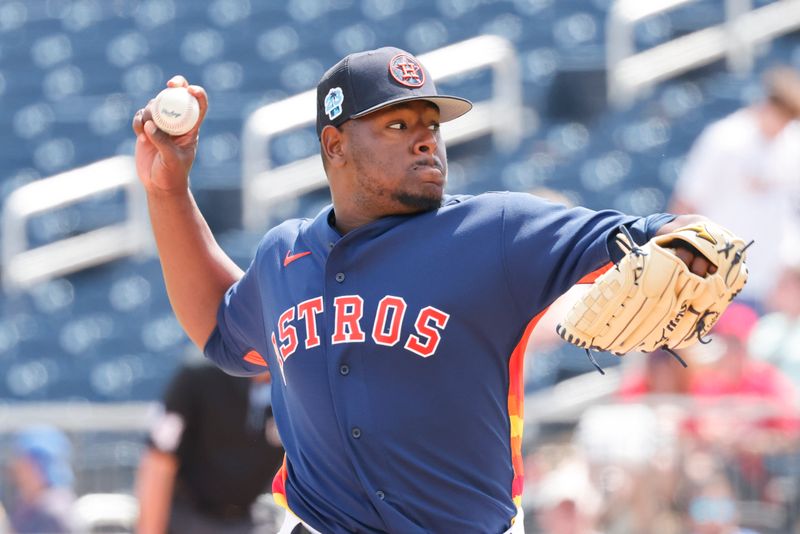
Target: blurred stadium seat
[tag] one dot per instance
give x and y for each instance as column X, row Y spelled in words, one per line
column 73, row 72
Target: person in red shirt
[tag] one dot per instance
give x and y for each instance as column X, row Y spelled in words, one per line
column 734, row 372
column 746, row 409
column 658, row 374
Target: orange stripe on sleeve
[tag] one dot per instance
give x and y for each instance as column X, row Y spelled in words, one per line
column 516, row 407
column 255, row 358
column 279, row 486
column 594, row 275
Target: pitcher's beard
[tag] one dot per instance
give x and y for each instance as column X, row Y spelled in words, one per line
column 419, row 202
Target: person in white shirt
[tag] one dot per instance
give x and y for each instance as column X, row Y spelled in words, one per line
column 744, row 173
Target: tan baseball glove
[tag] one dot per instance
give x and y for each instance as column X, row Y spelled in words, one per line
column 651, row 300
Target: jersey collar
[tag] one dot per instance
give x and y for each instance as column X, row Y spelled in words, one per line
column 324, row 231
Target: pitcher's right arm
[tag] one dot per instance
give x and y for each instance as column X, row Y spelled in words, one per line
column 197, row 272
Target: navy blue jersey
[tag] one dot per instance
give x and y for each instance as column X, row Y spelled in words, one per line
column 395, row 352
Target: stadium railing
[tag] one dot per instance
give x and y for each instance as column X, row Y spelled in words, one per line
column 23, row 265
column 631, row 74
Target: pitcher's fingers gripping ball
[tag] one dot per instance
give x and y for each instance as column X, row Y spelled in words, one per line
column 175, row 111
column 651, row 300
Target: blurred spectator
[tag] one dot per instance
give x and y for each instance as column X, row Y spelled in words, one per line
column 712, row 509
column 211, row 454
column 744, row 167
column 785, row 296
column 4, row 527
column 566, row 501
column 632, row 451
column 657, row 373
column 776, row 337
column 730, row 370
column 762, row 398
column 42, row 477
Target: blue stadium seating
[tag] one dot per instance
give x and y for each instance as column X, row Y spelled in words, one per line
column 72, row 73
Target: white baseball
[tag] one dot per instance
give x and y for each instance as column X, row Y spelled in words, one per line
column 175, row 111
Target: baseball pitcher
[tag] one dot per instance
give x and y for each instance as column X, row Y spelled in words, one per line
column 394, row 322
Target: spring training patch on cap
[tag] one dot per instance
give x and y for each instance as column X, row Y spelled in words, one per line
column 333, row 103
column 407, row 70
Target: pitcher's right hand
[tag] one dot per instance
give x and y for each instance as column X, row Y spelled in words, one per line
column 163, row 162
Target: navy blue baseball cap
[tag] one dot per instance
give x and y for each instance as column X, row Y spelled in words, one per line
column 364, row 82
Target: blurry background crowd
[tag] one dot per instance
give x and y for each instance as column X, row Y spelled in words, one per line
column 681, row 105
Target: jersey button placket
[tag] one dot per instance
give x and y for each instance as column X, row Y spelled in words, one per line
column 355, row 432
column 339, row 277
column 381, row 495
column 344, row 370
